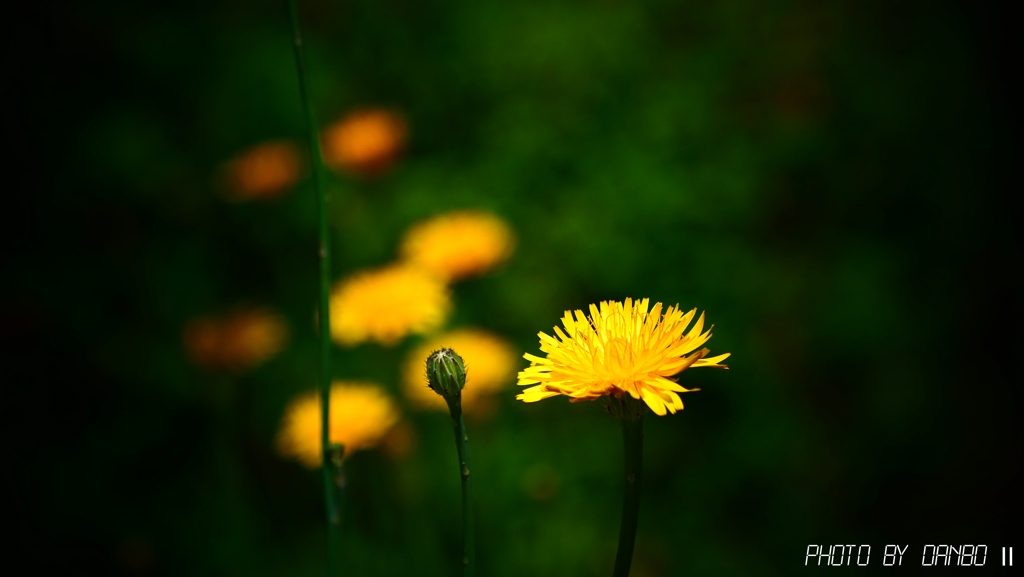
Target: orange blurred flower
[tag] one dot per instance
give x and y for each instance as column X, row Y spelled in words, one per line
column 360, row 416
column 387, row 304
column 264, row 171
column 490, row 366
column 458, row 244
column 237, row 341
column 364, row 142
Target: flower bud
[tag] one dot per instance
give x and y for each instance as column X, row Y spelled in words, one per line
column 446, row 373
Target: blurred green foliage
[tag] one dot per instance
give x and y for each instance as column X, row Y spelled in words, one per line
column 820, row 176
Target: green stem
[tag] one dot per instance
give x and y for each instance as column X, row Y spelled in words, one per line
column 330, row 488
column 461, row 440
column 633, row 443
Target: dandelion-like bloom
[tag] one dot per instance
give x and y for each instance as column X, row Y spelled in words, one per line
column 264, row 171
column 490, row 365
column 364, row 142
column 237, row 341
column 458, row 244
column 387, row 304
column 361, row 415
column 619, row 349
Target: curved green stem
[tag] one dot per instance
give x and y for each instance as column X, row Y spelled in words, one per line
column 461, row 440
column 330, row 486
column 633, row 443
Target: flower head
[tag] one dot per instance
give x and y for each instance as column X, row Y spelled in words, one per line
column 264, row 171
column 364, row 142
column 490, row 365
column 387, row 304
column 237, row 341
column 619, row 349
column 458, row 244
column 361, row 414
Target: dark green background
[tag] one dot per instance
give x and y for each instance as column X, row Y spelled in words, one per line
column 827, row 179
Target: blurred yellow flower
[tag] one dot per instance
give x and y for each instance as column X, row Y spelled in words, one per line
column 620, row 348
column 364, row 142
column 237, row 341
column 458, row 244
column 490, row 365
column 361, row 414
column 387, row 304
column 264, row 171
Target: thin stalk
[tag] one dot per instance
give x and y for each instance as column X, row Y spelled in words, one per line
column 330, row 487
column 461, row 440
column 633, row 443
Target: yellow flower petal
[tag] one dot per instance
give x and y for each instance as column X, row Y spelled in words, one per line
column 361, row 414
column 625, row 347
column 386, row 305
column 458, row 244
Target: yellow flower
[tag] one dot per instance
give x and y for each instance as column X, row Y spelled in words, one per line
column 264, row 171
column 490, row 365
column 386, row 304
column 621, row 348
column 361, row 414
column 364, row 142
column 237, row 341
column 458, row 244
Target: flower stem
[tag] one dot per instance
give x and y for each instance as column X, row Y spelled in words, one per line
column 461, row 440
column 633, row 443
column 331, row 496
